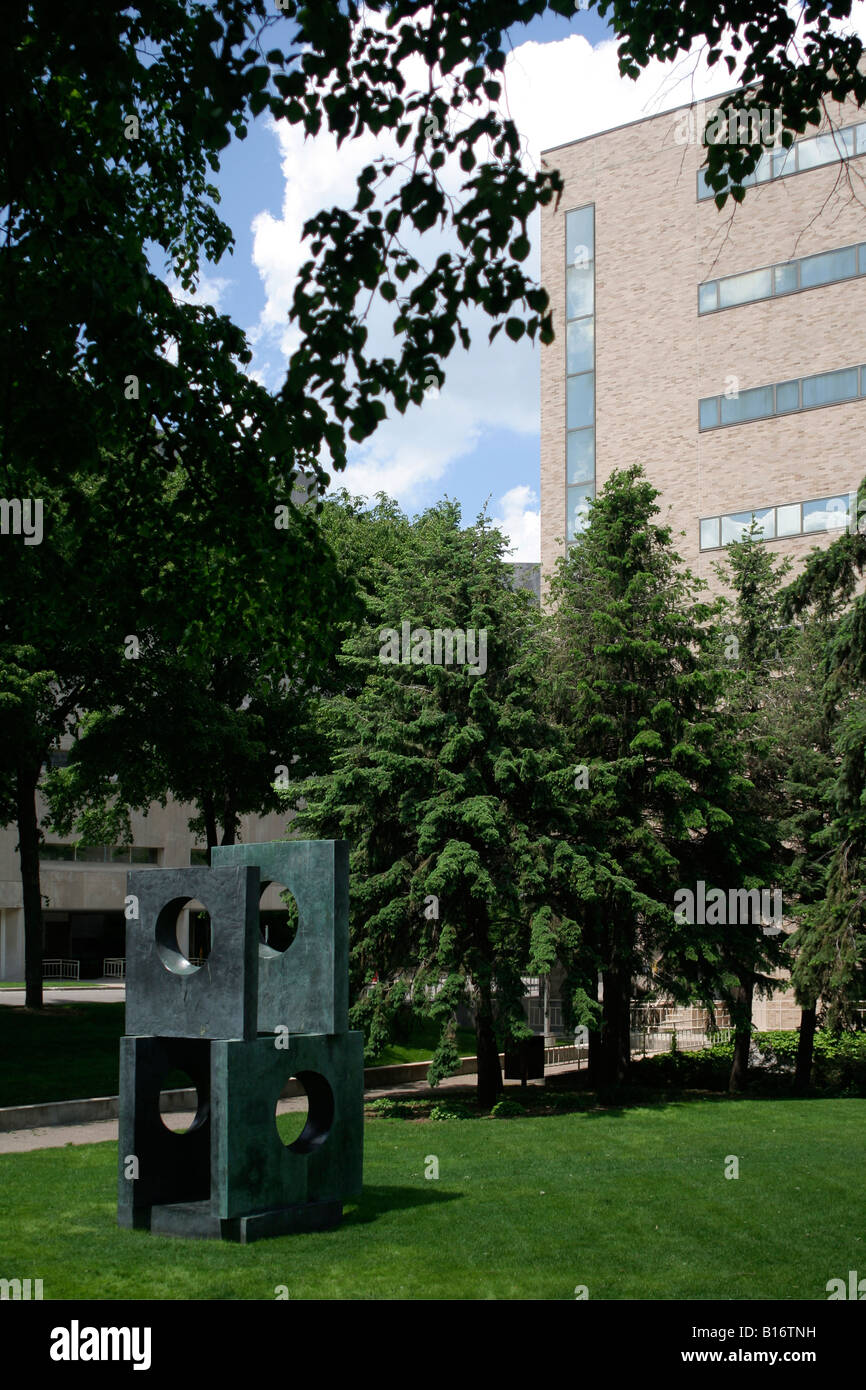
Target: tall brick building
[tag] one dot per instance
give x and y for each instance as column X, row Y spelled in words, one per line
column 722, row 350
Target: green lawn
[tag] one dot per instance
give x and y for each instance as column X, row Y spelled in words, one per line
column 70, row 1051
column 66, row 1052
column 632, row 1203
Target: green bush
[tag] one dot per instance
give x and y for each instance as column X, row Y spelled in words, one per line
column 450, row 1110
column 507, row 1109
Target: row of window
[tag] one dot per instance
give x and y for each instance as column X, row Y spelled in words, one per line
column 812, row 153
column 579, row 366
column 804, row 393
column 784, row 278
column 99, row 854
column 790, row 519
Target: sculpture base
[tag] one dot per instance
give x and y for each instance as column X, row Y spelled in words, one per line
column 198, row 1221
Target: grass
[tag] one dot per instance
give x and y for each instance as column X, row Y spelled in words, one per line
column 65, row 1052
column 421, row 1043
column 70, row 1051
column 630, row 1202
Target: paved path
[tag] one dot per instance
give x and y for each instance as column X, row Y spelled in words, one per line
column 66, row 994
column 58, row 1136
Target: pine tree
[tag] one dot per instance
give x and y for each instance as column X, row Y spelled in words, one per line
column 447, row 782
column 640, row 688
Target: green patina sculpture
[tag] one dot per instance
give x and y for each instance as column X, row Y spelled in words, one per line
column 240, row 1024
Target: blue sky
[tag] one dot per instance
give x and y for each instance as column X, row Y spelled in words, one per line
column 480, row 439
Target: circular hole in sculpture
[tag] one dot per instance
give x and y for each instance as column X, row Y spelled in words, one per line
column 183, row 936
column 278, row 919
column 180, row 1115
column 304, row 1130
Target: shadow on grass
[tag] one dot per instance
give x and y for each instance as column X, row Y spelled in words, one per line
column 376, row 1201
column 551, row 1102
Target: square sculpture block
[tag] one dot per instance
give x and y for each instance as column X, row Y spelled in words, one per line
column 253, row 1169
column 155, row 1165
column 167, row 994
column 305, row 988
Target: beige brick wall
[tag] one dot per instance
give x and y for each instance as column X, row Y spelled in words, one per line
column 655, row 357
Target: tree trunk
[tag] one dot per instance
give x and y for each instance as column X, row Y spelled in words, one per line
column 230, row 822
column 489, row 1070
column 210, row 825
column 615, row 1028
column 593, row 1061
column 805, row 1050
column 26, row 782
column 742, row 1037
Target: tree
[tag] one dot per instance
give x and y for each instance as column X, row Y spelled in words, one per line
column 447, row 783
column 111, row 123
column 831, row 962
column 635, row 684
column 226, row 639
column 774, row 697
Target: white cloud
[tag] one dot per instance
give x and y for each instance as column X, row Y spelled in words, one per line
column 520, row 520
column 210, row 289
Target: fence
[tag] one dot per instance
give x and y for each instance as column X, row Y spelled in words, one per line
column 60, row 969
column 114, row 967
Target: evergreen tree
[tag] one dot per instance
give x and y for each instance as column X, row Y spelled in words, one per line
column 447, row 782
column 636, row 685
column 831, row 963
column 776, row 699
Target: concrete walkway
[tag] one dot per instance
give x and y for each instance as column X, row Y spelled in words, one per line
column 70, row 994
column 100, row 1131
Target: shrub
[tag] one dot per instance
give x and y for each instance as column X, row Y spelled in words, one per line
column 507, row 1109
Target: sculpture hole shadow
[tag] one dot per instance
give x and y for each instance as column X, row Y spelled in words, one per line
column 181, row 1081
column 278, row 920
column 319, row 1117
column 183, row 935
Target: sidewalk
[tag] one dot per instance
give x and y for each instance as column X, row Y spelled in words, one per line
column 108, row 993
column 102, row 1131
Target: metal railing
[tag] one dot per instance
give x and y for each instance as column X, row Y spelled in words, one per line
column 61, row 969
column 114, row 967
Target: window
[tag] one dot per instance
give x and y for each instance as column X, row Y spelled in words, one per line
column 827, row 514
column 579, row 290
column 734, row 527
column 787, row 397
column 829, row 266
column 759, row 402
column 580, row 367
column 99, row 854
column 710, row 533
column 830, row 387
column 747, row 405
column 580, row 456
column 580, row 346
column 580, row 406
column 739, row 289
column 802, row 155
column 785, row 278
column 580, row 236
column 788, row 519
column 579, row 499
column 826, row 268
